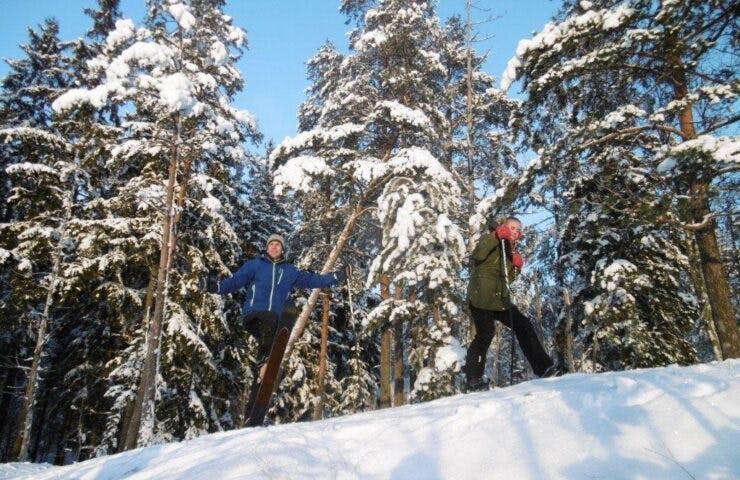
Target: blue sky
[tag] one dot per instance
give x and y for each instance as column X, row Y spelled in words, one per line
column 283, row 35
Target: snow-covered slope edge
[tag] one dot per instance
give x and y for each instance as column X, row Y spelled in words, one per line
column 663, row 423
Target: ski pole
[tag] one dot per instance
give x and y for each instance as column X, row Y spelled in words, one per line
column 511, row 320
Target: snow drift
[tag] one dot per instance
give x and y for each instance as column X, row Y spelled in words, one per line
column 662, row 423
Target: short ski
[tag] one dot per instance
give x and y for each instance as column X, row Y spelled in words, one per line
column 269, row 380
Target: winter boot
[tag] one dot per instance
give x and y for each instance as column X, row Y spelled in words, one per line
column 475, row 384
column 554, row 370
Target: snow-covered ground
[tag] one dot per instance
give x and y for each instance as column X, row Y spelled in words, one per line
column 663, row 423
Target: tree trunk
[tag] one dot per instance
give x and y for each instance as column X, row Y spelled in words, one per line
column 143, row 414
column 318, row 413
column 385, row 349
column 469, row 124
column 697, row 279
column 718, row 292
column 9, row 407
column 567, row 332
column 496, row 367
column 131, row 407
column 27, row 411
column 399, row 371
column 399, row 397
column 60, row 454
column 564, row 344
column 713, row 270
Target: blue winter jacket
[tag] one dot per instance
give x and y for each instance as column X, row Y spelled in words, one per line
column 269, row 283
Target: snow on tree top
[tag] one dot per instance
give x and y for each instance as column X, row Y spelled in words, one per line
column 35, row 134
column 367, row 169
column 124, row 30
column 369, row 39
column 237, row 35
column 182, row 14
column 31, row 168
column 413, row 159
column 304, row 140
column 140, row 54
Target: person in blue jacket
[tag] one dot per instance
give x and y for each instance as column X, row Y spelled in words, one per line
column 268, row 280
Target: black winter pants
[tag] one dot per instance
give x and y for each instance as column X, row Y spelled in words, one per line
column 485, row 329
column 264, row 325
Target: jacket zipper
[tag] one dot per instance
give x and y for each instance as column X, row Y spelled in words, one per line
column 253, row 294
column 280, row 277
column 272, row 287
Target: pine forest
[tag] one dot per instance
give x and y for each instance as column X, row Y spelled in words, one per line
column 130, row 177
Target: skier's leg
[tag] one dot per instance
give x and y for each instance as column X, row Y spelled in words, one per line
column 529, row 342
column 262, row 326
column 476, row 355
column 289, row 315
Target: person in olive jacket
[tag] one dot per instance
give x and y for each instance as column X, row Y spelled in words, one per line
column 488, row 299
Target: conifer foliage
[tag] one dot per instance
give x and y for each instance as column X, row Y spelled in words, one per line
column 128, row 179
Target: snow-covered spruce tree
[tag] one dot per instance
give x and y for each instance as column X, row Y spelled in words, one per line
column 86, row 336
column 178, row 160
column 421, row 249
column 358, row 382
column 634, row 307
column 382, row 124
column 43, row 178
column 661, row 67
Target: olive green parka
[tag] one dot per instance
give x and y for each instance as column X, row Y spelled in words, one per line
column 487, row 289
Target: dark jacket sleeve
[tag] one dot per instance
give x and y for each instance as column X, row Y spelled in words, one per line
column 314, row 280
column 241, row 278
column 486, row 245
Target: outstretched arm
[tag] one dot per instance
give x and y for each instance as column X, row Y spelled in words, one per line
column 314, row 280
column 241, row 278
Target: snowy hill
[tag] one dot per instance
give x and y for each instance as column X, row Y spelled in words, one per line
column 664, row 423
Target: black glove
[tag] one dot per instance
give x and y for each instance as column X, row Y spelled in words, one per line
column 340, row 276
column 212, row 284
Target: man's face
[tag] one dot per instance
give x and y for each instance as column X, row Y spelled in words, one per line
column 274, row 249
column 516, row 229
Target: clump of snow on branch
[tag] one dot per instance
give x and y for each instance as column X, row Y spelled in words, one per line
column 176, row 92
column 452, row 355
column 182, row 14
column 416, row 159
column 304, row 140
column 299, row 173
column 554, row 33
column 725, row 151
column 618, row 117
column 124, row 31
column 405, row 115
